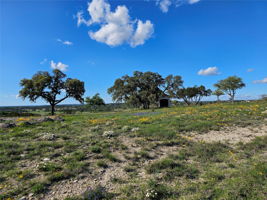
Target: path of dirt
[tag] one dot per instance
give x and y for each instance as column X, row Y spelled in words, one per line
column 232, row 135
column 104, row 177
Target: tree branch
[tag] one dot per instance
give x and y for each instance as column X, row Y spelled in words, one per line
column 58, row 101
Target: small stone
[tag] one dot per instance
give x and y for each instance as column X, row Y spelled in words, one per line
column 7, row 125
column 49, row 136
column 135, row 129
column 23, row 198
column 31, row 194
column 108, row 133
column 108, row 123
column 126, row 128
column 46, row 159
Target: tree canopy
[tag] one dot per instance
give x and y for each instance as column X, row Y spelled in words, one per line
column 218, row 93
column 230, row 85
column 141, row 89
column 49, row 87
column 193, row 95
column 95, row 100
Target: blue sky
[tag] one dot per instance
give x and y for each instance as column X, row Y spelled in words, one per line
column 181, row 37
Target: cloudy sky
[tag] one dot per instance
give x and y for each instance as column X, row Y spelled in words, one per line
column 98, row 41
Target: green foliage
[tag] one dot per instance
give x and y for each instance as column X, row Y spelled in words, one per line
column 172, row 85
column 208, row 152
column 96, row 100
column 218, row 93
column 97, row 193
column 193, row 95
column 96, row 149
column 171, row 169
column 230, row 85
column 57, row 176
column 140, row 89
column 102, row 163
column 160, row 149
column 160, row 165
column 49, row 167
column 48, row 87
column 110, row 156
column 157, row 191
column 39, row 187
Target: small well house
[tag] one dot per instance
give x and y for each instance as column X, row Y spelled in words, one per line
column 164, row 102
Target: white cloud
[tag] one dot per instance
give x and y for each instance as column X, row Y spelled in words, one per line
column 115, row 28
column 261, row 81
column 59, row 65
column 142, row 33
column 209, row 71
column 81, row 20
column 250, row 70
column 165, row 4
column 68, row 43
column 17, row 96
column 193, row 1
column 43, row 61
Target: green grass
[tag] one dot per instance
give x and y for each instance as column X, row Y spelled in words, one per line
column 192, row 170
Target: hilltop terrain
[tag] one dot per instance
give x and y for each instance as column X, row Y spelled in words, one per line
column 213, row 151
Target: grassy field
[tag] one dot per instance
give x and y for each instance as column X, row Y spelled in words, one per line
column 137, row 154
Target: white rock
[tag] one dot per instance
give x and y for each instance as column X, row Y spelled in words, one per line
column 46, row 159
column 135, row 129
column 108, row 133
column 126, row 128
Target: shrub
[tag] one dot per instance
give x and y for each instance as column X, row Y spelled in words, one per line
column 102, row 163
column 38, row 188
column 96, row 149
column 98, row 193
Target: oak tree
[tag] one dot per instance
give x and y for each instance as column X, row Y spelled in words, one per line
column 49, row 87
column 230, row 85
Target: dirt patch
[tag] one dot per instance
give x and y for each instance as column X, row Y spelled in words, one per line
column 232, row 135
column 104, row 177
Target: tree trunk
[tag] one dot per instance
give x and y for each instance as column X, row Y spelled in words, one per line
column 232, row 98
column 218, row 98
column 53, row 109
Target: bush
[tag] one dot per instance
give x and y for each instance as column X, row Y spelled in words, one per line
column 97, row 193
column 102, row 163
column 38, row 188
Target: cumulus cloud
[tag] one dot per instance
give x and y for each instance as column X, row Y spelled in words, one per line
column 115, row 28
column 210, row 71
column 193, row 1
column 68, row 43
column 165, row 4
column 261, row 81
column 142, row 33
column 250, row 69
column 43, row 61
column 59, row 65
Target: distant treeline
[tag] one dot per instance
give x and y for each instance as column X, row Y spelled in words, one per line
column 16, row 111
